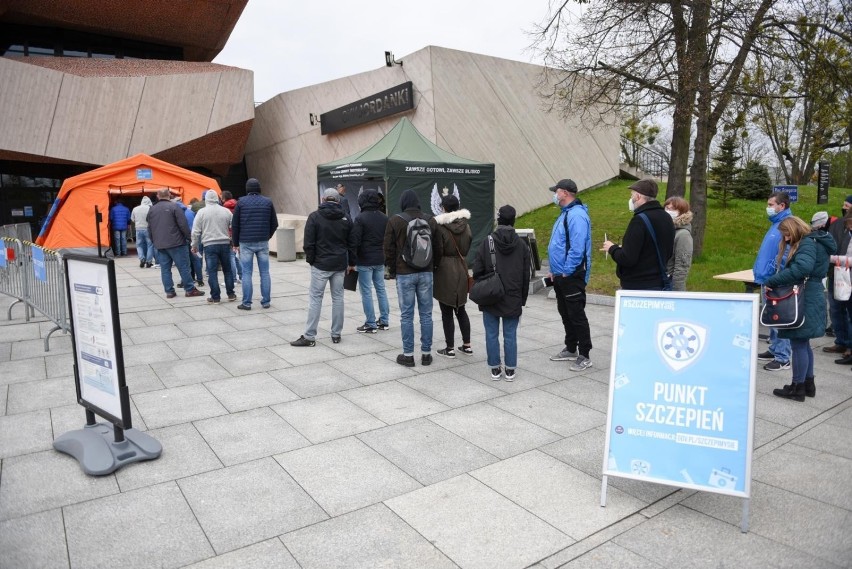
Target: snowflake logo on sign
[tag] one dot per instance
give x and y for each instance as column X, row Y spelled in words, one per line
column 680, row 343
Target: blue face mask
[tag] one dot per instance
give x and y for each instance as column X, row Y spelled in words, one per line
column 555, row 199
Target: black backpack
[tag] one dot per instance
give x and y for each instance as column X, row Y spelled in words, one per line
column 417, row 249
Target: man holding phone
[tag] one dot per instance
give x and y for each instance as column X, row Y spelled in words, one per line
column 570, row 257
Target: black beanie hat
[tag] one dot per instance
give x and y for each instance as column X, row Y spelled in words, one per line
column 506, row 215
column 253, row 186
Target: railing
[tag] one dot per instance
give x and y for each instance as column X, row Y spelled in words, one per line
column 35, row 276
column 645, row 159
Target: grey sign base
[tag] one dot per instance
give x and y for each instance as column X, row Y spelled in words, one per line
column 95, row 448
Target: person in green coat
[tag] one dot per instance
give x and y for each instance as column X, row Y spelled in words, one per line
column 807, row 255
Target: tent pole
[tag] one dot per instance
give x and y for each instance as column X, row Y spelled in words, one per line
column 98, row 219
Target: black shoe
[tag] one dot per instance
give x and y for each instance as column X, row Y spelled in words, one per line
column 141, row 264
column 302, row 342
column 407, row 361
column 794, row 391
column 845, row 360
column 212, row 300
column 367, row 329
column 775, row 365
column 244, row 307
column 171, row 294
column 765, row 356
column 232, row 297
column 426, row 359
column 829, row 332
column 335, row 339
column 199, row 282
column 383, row 326
column 834, row 349
column 447, row 353
column 148, row 265
column 465, row 350
column 810, row 387
column 509, row 374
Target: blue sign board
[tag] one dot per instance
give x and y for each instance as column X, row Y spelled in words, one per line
column 681, row 401
column 38, row 264
column 792, row 191
column 144, row 174
column 2, row 254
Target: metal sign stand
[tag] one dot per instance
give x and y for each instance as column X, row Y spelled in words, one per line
column 100, row 448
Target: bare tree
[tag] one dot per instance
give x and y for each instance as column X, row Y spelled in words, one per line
column 682, row 56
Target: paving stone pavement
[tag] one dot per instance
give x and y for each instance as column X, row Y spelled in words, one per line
column 335, row 456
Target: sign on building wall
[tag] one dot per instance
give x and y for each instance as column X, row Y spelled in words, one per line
column 681, row 401
column 389, row 102
column 792, row 191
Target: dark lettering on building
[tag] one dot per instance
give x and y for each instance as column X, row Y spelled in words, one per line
column 389, row 102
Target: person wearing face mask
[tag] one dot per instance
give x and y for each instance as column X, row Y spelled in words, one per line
column 840, row 311
column 570, row 256
column 766, row 265
column 681, row 259
column 638, row 266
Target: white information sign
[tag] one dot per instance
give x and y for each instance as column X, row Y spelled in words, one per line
column 97, row 351
column 682, row 385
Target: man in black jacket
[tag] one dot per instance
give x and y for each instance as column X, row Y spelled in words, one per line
column 328, row 250
column 412, row 284
column 368, row 235
column 637, row 260
column 170, row 233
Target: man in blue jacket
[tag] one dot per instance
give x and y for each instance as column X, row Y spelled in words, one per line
column 119, row 218
column 777, row 209
column 570, row 257
column 253, row 225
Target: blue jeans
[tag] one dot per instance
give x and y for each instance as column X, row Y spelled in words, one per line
column 195, row 269
column 247, row 254
column 119, row 242
column 180, row 257
column 492, row 340
column 236, row 268
column 416, row 286
column 840, row 313
column 803, row 360
column 144, row 246
column 779, row 347
column 218, row 255
column 315, row 294
column 369, row 277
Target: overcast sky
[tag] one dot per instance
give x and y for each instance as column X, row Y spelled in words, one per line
column 290, row 45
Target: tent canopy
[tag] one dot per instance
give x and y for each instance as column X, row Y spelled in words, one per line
column 404, row 159
column 71, row 221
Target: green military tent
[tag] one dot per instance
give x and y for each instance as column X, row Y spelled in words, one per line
column 404, row 159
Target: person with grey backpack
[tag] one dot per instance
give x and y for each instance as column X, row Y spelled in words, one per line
column 412, row 251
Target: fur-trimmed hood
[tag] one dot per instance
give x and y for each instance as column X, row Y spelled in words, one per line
column 449, row 217
column 454, row 221
column 684, row 220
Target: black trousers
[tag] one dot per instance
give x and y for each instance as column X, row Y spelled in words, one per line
column 571, row 302
column 447, row 313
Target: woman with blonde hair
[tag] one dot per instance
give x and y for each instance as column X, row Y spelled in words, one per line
column 803, row 255
column 681, row 259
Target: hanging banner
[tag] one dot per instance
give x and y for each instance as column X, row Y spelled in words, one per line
column 682, row 389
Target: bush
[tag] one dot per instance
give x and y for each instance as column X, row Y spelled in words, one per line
column 753, row 182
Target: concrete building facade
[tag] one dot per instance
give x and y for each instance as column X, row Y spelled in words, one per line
column 84, row 83
column 476, row 106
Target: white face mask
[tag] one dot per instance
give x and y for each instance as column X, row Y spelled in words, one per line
column 555, row 198
column 630, row 205
column 770, row 211
column 672, row 212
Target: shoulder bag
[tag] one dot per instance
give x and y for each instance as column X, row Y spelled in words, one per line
column 488, row 289
column 464, row 262
column 784, row 306
column 666, row 278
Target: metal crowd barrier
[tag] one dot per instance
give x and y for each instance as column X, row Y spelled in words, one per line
column 35, row 276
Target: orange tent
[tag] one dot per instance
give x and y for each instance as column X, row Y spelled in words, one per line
column 71, row 222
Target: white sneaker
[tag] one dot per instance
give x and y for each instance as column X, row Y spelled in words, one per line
column 509, row 374
column 496, row 373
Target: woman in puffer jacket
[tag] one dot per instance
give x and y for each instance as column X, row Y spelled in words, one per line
column 681, row 259
column 803, row 255
column 450, row 285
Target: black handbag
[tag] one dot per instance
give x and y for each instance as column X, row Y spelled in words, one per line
column 784, row 306
column 488, row 289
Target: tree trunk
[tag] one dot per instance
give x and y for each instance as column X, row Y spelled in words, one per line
column 704, row 133
column 679, row 157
